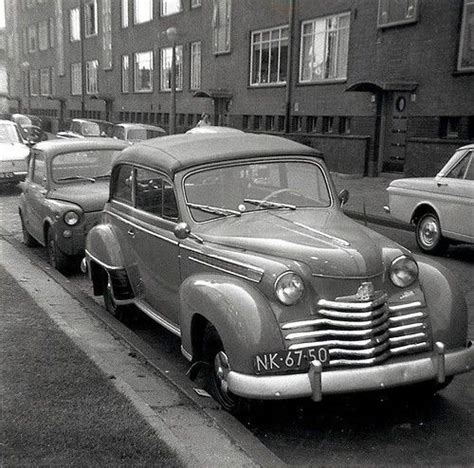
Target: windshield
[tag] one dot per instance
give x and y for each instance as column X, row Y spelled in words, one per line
column 9, row 133
column 86, row 165
column 90, row 129
column 257, row 186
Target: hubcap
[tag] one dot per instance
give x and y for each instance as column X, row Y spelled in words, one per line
column 429, row 232
column 222, row 368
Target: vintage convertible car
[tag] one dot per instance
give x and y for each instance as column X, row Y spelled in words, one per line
column 237, row 243
column 63, row 194
column 441, row 207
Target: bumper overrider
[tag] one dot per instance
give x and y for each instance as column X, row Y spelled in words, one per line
column 315, row 383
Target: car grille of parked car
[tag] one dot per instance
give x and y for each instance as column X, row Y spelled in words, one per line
column 362, row 333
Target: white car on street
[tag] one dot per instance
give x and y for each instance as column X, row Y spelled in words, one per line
column 441, row 207
column 13, row 153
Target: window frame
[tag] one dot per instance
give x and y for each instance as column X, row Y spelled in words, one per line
column 164, row 3
column 42, row 73
column 74, row 24
column 195, row 74
column 463, row 35
column 43, row 35
column 135, row 75
column 124, row 14
column 76, row 84
column 92, row 77
column 338, row 29
column 149, row 16
column 34, row 83
column 91, row 29
column 125, row 73
column 179, row 68
column 397, row 22
column 32, row 28
column 113, row 185
column 260, row 32
column 217, row 28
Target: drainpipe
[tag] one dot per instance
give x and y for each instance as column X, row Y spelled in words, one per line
column 289, row 67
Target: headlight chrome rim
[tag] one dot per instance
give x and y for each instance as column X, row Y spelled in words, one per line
column 283, row 285
column 71, row 218
column 403, row 271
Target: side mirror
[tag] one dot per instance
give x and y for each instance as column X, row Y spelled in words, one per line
column 343, row 196
column 182, row 231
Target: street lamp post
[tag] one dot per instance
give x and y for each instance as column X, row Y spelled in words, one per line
column 172, row 34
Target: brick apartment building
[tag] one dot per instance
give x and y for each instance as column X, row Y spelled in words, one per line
column 377, row 85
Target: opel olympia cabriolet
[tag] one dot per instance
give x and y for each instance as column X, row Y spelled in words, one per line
column 237, row 244
column 64, row 192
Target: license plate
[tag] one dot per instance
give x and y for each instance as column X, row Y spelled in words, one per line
column 6, row 175
column 291, row 360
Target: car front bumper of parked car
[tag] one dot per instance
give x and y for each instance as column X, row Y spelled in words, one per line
column 434, row 366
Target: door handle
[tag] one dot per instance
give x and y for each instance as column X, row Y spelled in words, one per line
column 442, row 184
column 131, row 233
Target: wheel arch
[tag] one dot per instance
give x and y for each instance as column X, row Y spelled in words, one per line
column 421, row 209
column 238, row 310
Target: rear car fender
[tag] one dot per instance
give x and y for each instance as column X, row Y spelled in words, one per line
column 446, row 304
column 104, row 258
column 239, row 312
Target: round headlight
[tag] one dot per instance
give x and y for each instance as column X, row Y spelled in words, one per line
column 289, row 288
column 403, row 271
column 71, row 218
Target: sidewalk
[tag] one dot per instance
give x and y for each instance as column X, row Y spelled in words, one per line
column 72, row 394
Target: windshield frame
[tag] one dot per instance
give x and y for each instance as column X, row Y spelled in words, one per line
column 255, row 160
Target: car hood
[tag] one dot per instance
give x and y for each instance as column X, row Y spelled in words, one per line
column 329, row 242
column 17, row 151
column 89, row 196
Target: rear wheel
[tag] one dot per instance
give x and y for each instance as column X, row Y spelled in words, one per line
column 428, row 234
column 214, row 354
column 57, row 259
column 120, row 312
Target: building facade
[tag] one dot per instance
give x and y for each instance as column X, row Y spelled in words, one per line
column 377, row 85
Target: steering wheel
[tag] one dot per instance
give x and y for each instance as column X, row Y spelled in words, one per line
column 279, row 192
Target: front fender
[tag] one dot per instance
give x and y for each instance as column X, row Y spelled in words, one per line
column 446, row 303
column 102, row 245
column 240, row 313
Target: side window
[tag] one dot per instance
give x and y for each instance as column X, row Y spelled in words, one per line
column 470, row 170
column 38, row 169
column 155, row 195
column 122, row 184
column 460, row 169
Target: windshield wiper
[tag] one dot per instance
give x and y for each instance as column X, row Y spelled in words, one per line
column 269, row 204
column 77, row 177
column 214, row 209
column 102, row 176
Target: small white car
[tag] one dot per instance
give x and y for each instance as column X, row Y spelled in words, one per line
column 136, row 132
column 13, row 153
column 441, row 207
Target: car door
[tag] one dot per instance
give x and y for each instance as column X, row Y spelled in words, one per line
column 154, row 243
column 455, row 199
column 35, row 192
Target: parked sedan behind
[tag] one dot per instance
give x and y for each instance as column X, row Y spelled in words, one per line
column 87, row 128
column 441, row 207
column 13, row 153
column 136, row 132
column 63, row 195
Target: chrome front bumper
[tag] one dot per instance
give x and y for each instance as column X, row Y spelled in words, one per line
column 435, row 366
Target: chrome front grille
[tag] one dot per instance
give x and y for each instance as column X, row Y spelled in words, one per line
column 361, row 333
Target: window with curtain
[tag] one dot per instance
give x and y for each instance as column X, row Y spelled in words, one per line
column 221, row 23
column 143, row 66
column 142, row 11
column 466, row 41
column 324, row 48
column 195, row 65
column 92, row 85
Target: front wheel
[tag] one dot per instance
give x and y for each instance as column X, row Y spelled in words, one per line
column 215, row 356
column 28, row 239
column 428, row 234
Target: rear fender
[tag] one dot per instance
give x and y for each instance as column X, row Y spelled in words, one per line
column 239, row 312
column 446, row 303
